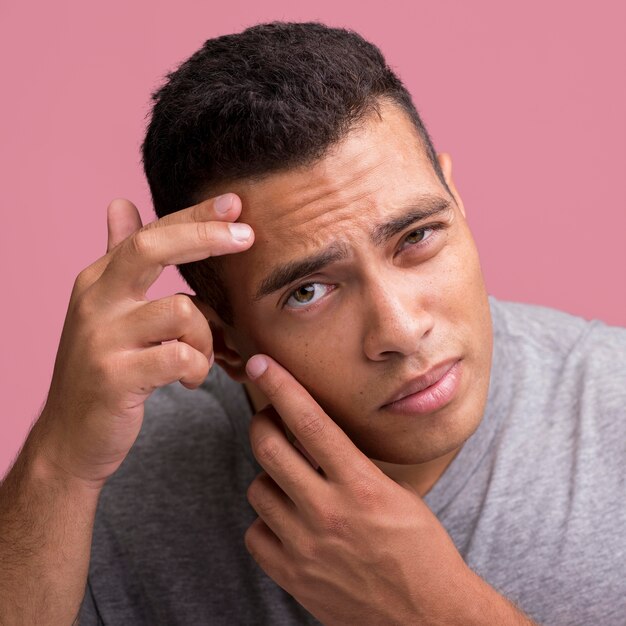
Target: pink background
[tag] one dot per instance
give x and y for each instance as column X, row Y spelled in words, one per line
column 529, row 99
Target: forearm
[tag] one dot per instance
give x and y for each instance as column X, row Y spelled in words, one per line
column 46, row 524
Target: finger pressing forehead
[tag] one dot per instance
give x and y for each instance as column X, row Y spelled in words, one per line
column 141, row 258
column 321, row 437
column 226, row 207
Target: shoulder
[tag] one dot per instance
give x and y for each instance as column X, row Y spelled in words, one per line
column 550, row 331
column 587, row 357
column 549, row 327
column 536, row 326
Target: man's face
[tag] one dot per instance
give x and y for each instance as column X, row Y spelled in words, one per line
column 385, row 297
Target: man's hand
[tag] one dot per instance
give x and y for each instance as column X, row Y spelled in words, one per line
column 110, row 359
column 350, row 544
column 111, row 356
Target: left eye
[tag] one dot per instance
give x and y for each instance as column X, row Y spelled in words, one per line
column 306, row 294
column 417, row 236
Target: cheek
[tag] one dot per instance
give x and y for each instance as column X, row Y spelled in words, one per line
column 468, row 308
column 311, row 351
column 318, row 356
column 457, row 281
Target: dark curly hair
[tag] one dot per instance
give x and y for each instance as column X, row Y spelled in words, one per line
column 270, row 98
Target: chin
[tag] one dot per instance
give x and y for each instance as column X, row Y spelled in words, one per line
column 411, row 457
column 428, row 438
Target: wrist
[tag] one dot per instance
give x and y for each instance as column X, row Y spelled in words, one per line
column 45, row 462
column 484, row 605
column 46, row 468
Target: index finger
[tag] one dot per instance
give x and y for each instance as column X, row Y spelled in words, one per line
column 322, row 438
column 189, row 235
column 224, row 208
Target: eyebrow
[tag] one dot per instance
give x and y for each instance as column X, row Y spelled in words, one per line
column 289, row 273
column 425, row 207
column 422, row 208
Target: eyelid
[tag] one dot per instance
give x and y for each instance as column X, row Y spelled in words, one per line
column 285, row 299
column 434, row 227
column 282, row 302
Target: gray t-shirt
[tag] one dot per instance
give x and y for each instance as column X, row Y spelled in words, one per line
column 535, row 501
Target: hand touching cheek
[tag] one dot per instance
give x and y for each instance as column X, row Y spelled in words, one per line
column 351, row 545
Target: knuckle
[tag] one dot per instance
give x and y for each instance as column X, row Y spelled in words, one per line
column 249, row 540
column 332, row 521
column 85, row 308
column 364, row 490
column 204, row 232
column 182, row 306
column 258, row 498
column 83, row 280
column 309, row 424
column 266, row 449
column 183, row 354
column 274, row 387
column 142, row 242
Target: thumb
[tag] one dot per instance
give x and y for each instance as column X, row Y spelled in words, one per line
column 123, row 219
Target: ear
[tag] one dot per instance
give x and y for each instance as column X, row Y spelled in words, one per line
column 226, row 353
column 445, row 162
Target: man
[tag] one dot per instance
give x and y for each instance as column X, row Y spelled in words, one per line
column 419, row 453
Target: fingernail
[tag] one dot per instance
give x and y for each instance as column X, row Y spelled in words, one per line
column 223, row 203
column 240, row 232
column 256, row 365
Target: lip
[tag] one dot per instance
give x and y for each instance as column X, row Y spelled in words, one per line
column 428, row 392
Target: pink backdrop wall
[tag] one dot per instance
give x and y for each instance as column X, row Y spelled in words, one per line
column 529, row 99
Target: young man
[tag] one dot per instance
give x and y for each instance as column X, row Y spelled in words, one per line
column 419, row 453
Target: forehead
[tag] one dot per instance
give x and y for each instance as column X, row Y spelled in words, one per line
column 377, row 168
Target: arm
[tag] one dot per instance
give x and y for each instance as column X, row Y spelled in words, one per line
column 46, row 521
column 111, row 357
column 484, row 605
column 350, row 544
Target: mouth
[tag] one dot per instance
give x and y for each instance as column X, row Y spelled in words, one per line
column 429, row 392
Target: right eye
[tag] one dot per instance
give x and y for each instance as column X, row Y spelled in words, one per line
column 306, row 295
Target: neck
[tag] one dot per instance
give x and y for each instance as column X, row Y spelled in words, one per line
column 420, row 477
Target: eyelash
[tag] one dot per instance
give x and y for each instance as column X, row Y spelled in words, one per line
column 421, row 244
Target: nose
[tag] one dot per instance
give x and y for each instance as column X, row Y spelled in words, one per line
column 395, row 321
